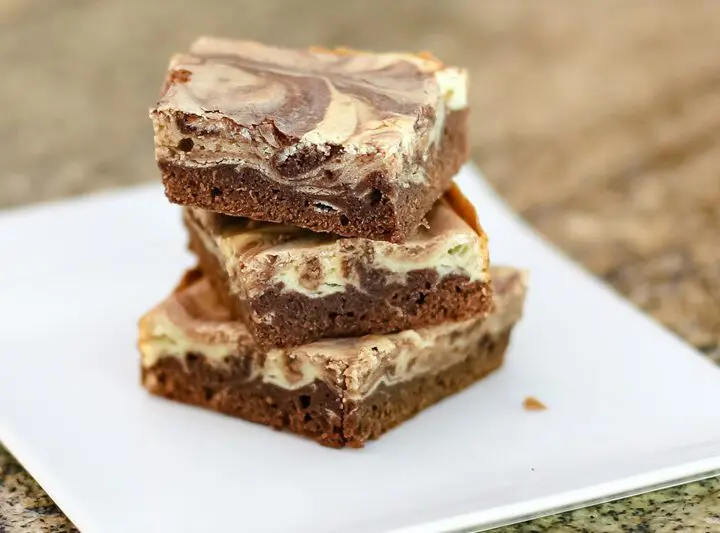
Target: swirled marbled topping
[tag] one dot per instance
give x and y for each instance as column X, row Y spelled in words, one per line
column 285, row 112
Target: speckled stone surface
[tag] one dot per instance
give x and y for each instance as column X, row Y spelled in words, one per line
column 598, row 121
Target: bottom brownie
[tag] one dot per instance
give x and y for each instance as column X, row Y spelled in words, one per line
column 315, row 410
column 340, row 392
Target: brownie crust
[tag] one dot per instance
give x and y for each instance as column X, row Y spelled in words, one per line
column 380, row 307
column 316, row 410
column 380, row 209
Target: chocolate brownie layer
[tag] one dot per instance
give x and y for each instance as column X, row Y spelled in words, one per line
column 315, row 410
column 341, row 391
column 444, row 278
column 352, row 143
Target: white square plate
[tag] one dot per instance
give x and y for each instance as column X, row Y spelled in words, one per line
column 630, row 406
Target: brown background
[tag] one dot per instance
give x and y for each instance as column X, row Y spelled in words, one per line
column 598, row 121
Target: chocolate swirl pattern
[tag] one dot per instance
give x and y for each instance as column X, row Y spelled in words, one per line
column 318, row 96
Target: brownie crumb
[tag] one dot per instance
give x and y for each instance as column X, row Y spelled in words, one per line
column 533, row 404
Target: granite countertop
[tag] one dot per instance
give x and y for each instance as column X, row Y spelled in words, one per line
column 598, row 121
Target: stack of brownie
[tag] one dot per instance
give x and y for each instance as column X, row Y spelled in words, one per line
column 343, row 281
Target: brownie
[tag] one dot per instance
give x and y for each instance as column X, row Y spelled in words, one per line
column 292, row 286
column 340, row 392
column 353, row 143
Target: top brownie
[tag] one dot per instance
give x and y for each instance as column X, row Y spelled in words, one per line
column 353, row 143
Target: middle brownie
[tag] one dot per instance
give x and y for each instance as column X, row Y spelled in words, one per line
column 292, row 286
